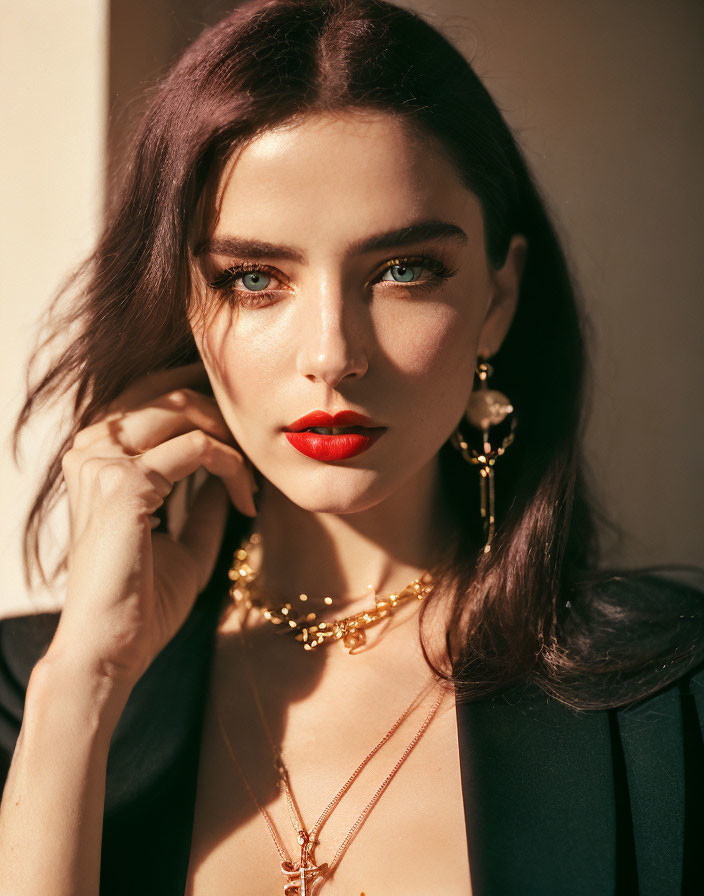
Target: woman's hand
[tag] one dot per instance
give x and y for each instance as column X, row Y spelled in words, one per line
column 130, row 589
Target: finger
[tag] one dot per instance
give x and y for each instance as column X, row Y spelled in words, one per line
column 204, row 527
column 169, row 415
column 184, row 454
column 151, row 385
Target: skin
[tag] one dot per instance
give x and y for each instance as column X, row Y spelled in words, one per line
column 335, row 335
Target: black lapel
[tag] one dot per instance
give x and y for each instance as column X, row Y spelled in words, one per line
column 538, row 788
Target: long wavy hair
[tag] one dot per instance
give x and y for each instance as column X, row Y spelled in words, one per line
column 534, row 608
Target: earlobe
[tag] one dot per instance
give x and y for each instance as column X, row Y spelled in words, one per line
column 506, row 286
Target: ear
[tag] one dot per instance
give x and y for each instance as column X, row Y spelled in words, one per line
column 506, row 284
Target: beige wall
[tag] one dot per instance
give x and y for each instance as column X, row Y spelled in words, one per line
column 605, row 97
column 53, row 76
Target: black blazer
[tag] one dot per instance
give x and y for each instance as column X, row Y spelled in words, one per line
column 556, row 802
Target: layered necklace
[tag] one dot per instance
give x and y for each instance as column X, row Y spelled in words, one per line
column 302, row 874
column 303, row 624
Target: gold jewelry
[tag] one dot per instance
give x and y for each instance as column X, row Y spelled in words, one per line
column 302, row 874
column 486, row 408
column 348, row 629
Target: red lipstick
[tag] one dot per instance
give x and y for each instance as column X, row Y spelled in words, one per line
column 349, row 434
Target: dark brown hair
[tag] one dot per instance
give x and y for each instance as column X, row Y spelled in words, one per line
column 532, row 609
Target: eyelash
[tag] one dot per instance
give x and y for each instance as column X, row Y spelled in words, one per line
column 223, row 282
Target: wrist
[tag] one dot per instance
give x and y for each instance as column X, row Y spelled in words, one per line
column 80, row 689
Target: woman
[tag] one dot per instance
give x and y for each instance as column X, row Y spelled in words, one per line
column 328, row 281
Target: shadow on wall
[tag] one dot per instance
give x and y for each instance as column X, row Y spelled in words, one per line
column 144, row 38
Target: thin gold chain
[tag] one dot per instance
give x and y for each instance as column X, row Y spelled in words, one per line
column 280, row 848
column 382, row 787
column 298, row 824
column 281, row 766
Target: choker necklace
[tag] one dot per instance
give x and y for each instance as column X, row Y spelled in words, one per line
column 301, row 624
column 304, row 876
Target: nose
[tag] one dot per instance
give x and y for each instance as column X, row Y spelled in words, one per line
column 331, row 340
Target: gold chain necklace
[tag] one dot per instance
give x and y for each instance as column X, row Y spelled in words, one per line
column 303, row 874
column 349, row 629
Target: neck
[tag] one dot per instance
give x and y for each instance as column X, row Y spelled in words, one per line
column 385, row 546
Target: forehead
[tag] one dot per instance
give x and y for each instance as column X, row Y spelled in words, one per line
column 338, row 175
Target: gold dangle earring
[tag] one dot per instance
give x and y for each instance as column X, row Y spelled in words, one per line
column 486, row 408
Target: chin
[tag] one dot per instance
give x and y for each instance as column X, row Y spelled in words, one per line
column 333, row 489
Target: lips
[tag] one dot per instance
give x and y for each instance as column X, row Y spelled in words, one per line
column 348, row 434
column 321, row 419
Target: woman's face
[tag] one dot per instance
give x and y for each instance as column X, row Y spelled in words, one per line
column 366, row 288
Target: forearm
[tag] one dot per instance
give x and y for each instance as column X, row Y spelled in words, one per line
column 52, row 807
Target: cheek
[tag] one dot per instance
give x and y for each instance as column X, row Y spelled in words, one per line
column 238, row 363
column 431, row 355
column 430, row 341
column 210, row 329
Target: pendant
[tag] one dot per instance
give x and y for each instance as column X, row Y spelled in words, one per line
column 303, row 874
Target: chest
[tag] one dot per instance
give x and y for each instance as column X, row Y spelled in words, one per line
column 412, row 840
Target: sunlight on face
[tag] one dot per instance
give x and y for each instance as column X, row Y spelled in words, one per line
column 333, row 313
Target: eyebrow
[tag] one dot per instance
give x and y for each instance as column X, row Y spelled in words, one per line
column 403, row 236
